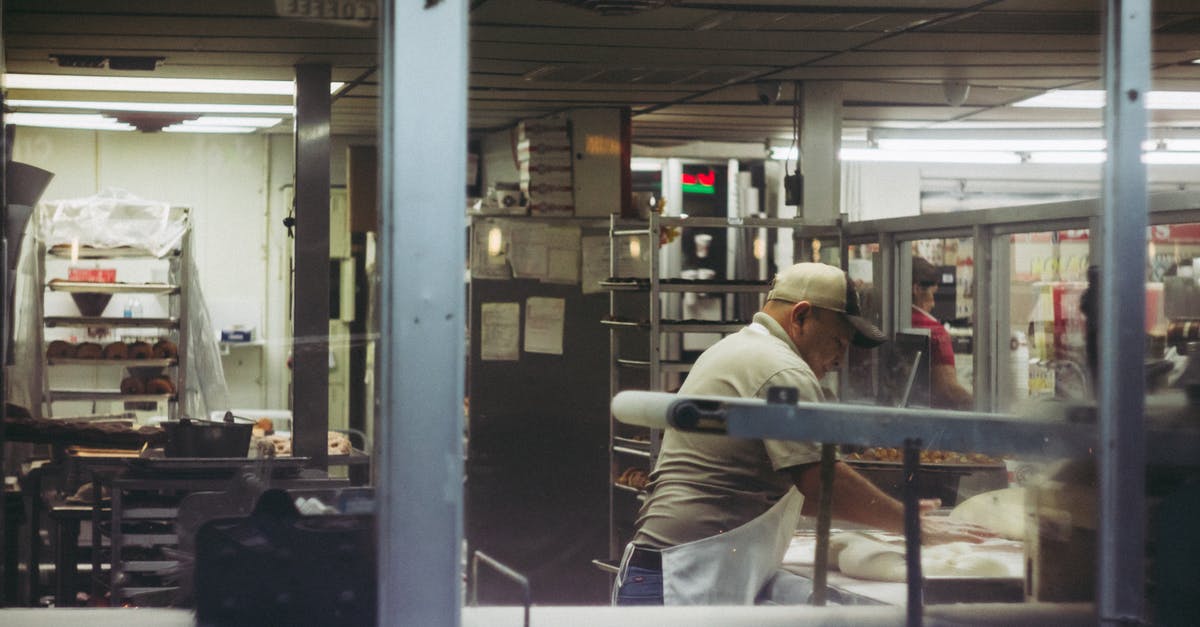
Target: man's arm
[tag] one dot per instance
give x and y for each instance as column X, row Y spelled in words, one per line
column 857, row 500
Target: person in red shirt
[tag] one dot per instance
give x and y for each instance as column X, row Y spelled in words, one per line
column 945, row 390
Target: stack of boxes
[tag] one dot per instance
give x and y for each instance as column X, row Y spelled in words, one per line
column 544, row 162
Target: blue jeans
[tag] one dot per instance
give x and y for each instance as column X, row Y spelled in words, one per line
column 640, row 586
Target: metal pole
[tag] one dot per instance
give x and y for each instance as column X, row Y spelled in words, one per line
column 310, row 312
column 824, row 520
column 1120, row 390
column 912, row 533
column 423, row 143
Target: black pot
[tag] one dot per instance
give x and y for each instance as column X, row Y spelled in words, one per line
column 202, row 438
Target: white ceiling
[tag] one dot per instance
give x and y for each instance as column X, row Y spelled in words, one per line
column 687, row 69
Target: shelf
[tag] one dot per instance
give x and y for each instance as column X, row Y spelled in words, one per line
column 639, row 494
column 148, row 566
column 63, row 251
column 161, row 289
column 110, row 322
column 715, row 222
column 606, row 566
column 150, row 513
column 686, row 286
column 625, row 324
column 102, row 395
column 125, row 363
column 631, row 451
column 132, row 592
column 148, row 539
column 632, row 443
column 663, row 366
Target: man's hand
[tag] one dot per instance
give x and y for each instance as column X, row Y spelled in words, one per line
column 940, row 530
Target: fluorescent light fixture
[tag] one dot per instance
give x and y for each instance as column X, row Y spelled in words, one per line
column 1185, row 145
column 156, row 85
column 216, row 120
column 1094, row 99
column 182, row 128
column 1093, row 157
column 642, row 164
column 928, row 156
column 66, row 120
column 153, row 107
column 785, row 153
column 1171, row 158
column 976, row 144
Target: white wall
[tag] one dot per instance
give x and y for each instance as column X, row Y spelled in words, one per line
column 238, row 187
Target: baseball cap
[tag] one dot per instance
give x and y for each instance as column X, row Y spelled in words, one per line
column 827, row 287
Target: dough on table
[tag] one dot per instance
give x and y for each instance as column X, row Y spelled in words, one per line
column 861, row 556
column 1002, row 511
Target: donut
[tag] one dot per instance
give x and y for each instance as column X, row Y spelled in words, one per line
column 60, row 349
column 159, row 385
column 116, row 350
column 132, row 385
column 165, row 349
column 89, row 350
column 140, row 350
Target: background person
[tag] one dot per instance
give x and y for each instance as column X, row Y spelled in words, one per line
column 945, row 390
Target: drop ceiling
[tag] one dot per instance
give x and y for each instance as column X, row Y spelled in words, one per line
column 687, row 68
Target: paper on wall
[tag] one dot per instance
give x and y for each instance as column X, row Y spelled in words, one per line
column 562, row 254
column 544, row 325
column 527, row 251
column 499, row 331
column 595, row 252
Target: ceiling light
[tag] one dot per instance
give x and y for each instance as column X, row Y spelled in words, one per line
column 66, row 120
column 216, row 120
column 1094, row 99
column 1093, row 157
column 186, row 128
column 156, row 85
column 976, row 144
column 927, row 156
column 1171, row 158
column 155, row 107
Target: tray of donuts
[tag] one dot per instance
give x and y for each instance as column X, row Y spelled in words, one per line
column 140, row 353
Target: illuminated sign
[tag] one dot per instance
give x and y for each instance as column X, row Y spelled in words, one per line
column 700, row 183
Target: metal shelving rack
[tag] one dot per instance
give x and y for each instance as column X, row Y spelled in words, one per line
column 175, row 323
column 626, row 450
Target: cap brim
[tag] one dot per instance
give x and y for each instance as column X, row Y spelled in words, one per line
column 866, row 335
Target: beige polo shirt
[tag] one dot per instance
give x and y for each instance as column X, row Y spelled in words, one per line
column 705, row 484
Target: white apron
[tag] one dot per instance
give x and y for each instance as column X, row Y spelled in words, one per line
column 730, row 568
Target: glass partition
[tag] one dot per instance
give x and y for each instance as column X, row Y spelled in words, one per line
column 1047, row 357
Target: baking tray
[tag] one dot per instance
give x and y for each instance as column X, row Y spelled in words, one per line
column 213, row 465
column 938, row 467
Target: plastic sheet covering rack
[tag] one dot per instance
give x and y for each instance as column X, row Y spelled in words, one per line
column 155, row 305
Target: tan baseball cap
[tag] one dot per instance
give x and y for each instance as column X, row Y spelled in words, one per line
column 827, row 287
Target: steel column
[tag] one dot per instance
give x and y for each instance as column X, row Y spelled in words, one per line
column 1121, row 454
column 310, row 309
column 423, row 146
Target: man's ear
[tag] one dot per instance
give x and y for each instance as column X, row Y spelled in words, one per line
column 801, row 310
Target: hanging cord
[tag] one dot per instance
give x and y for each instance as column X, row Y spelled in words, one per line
column 795, row 129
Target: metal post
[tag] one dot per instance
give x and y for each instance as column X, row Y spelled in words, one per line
column 983, row 360
column 824, row 520
column 423, row 142
column 1120, row 391
column 820, row 139
column 310, row 312
column 912, row 532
